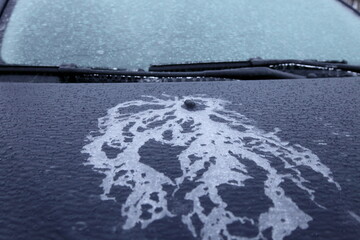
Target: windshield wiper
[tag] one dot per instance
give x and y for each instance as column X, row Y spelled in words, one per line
column 255, row 62
column 71, row 73
column 255, row 69
column 303, row 68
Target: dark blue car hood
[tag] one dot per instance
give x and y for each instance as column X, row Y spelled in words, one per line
column 261, row 159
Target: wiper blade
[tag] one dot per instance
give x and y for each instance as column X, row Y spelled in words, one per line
column 249, row 70
column 71, row 73
column 256, row 62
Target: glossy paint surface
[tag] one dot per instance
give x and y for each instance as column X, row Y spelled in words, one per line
column 52, row 179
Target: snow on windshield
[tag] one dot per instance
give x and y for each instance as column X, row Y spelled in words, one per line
column 133, row 34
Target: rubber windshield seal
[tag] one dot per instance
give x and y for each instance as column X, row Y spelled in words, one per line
column 6, row 8
column 350, row 6
column 3, row 4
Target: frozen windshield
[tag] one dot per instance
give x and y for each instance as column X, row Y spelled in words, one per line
column 133, row 34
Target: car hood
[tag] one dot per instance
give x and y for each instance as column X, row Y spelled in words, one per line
column 133, row 161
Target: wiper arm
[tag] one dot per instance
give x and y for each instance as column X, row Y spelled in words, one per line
column 257, row 62
column 256, row 69
column 238, row 73
column 255, row 73
column 71, row 73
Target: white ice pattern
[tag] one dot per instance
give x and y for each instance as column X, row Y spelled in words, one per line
column 217, row 136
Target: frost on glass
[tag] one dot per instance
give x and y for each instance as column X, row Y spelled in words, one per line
column 220, row 147
column 133, row 34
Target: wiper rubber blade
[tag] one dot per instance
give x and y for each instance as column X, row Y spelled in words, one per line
column 256, row 62
column 70, row 73
column 247, row 70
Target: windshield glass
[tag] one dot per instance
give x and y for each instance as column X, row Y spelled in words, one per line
column 134, row 34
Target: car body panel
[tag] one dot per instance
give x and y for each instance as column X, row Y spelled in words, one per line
column 50, row 189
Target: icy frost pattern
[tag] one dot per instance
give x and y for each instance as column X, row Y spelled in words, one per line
column 214, row 136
